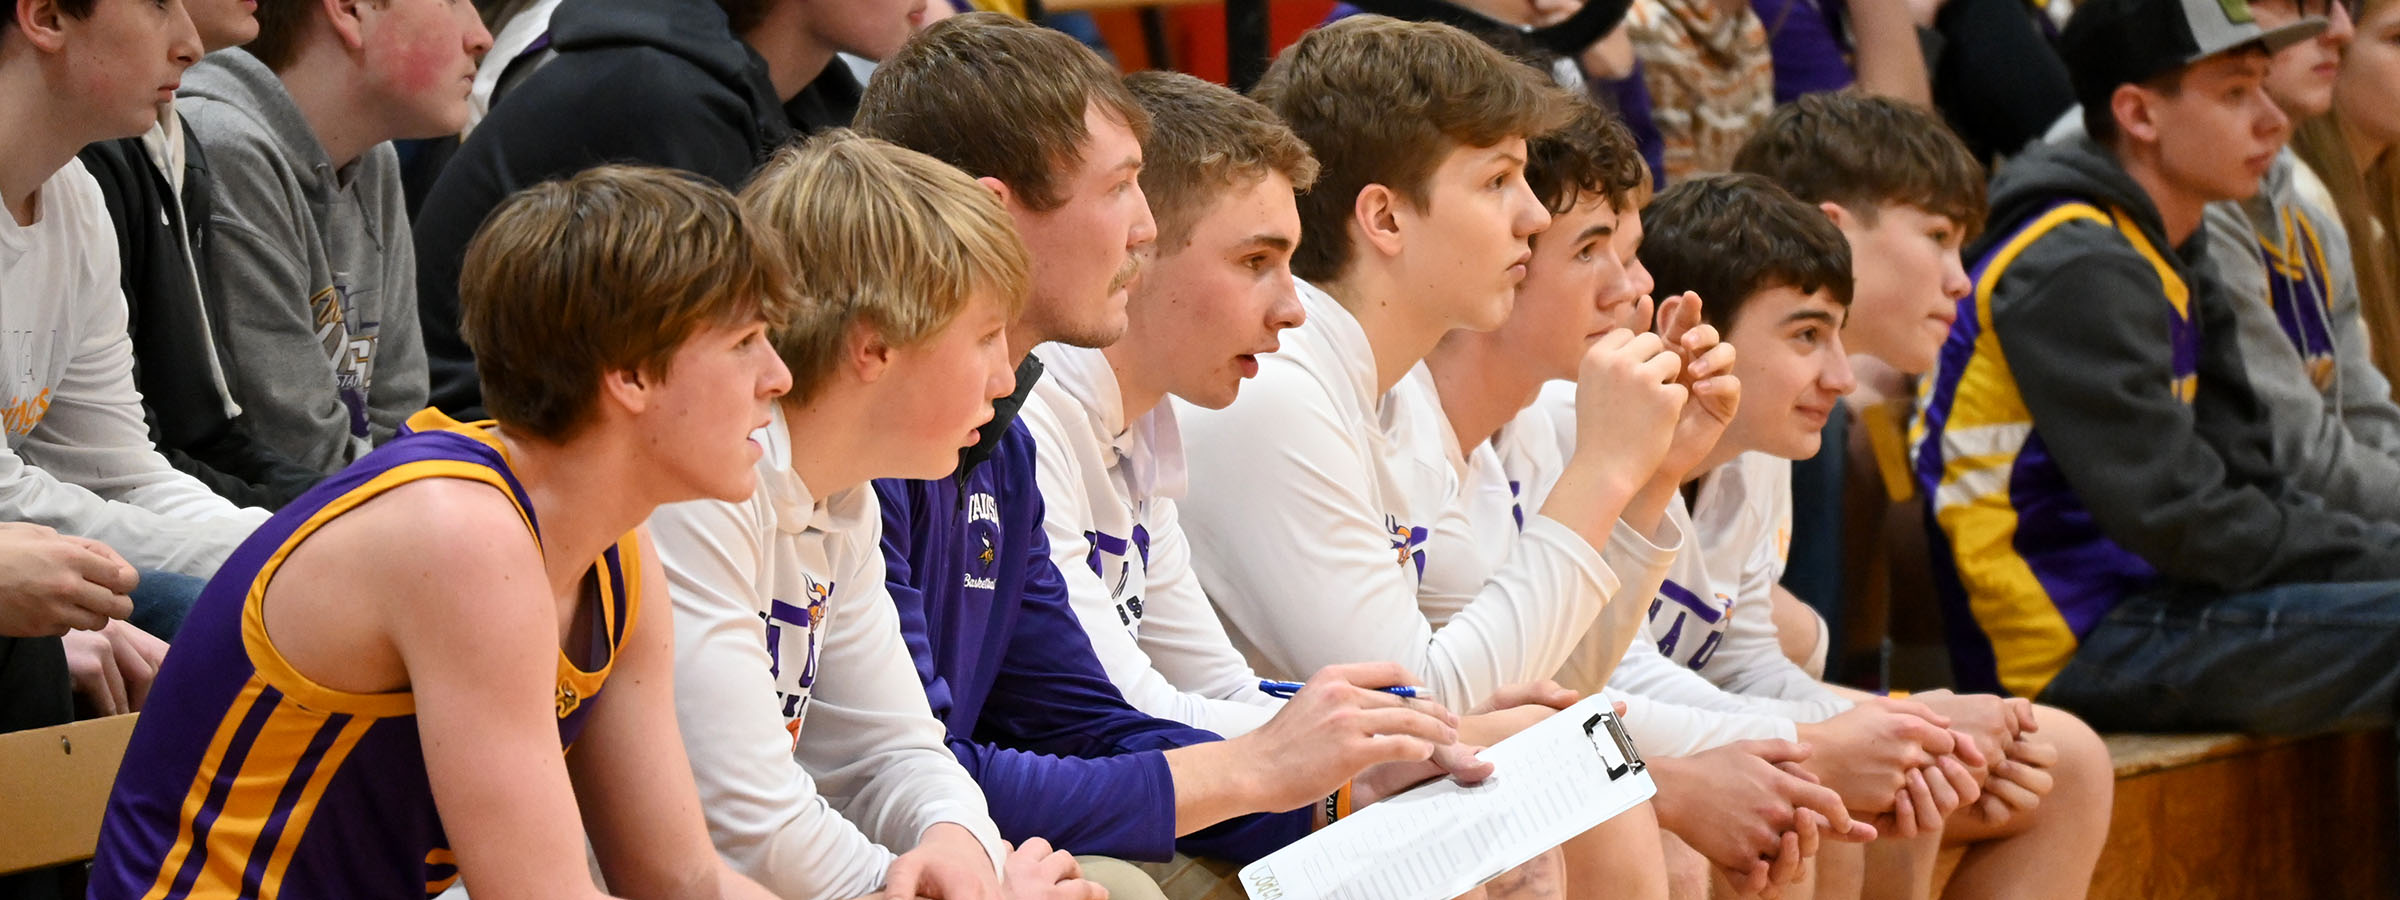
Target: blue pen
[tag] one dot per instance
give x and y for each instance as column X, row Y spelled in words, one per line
column 1288, row 688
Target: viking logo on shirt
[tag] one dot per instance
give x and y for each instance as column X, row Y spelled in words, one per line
column 792, row 632
column 983, row 522
column 1688, row 627
column 1107, row 549
column 1408, row 543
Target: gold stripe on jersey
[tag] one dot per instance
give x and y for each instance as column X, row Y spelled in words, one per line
column 271, row 884
column 271, row 664
column 195, row 799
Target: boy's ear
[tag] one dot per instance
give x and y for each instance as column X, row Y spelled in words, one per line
column 629, row 389
column 343, row 15
column 998, row 188
column 43, row 23
column 2131, row 105
column 866, row 354
column 1376, row 214
column 1840, row 215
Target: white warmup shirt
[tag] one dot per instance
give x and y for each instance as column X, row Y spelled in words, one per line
column 781, row 618
column 1309, row 522
column 1108, row 493
column 79, row 457
column 1707, row 669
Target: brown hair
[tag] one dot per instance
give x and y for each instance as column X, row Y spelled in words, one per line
column 2363, row 198
column 1204, row 138
column 608, row 270
column 1729, row 237
column 1592, row 154
column 998, row 97
column 879, row 235
column 1382, row 101
column 1862, row 152
column 74, row 9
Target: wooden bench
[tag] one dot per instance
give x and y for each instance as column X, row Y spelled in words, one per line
column 2225, row 816
column 53, row 788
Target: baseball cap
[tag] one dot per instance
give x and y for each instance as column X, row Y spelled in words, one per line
column 2112, row 42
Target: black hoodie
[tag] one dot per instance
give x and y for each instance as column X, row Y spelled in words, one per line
column 2082, row 319
column 655, row 82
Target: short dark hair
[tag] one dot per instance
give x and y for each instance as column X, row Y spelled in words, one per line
column 1382, row 101
column 1863, row 151
column 75, row 9
column 1729, row 237
column 280, row 26
column 998, row 97
column 2100, row 119
column 1593, row 153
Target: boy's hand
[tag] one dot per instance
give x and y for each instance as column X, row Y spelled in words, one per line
column 1867, row 753
column 50, row 582
column 1036, row 872
column 1747, row 806
column 1708, row 374
column 1338, row 726
column 948, row 863
column 1627, row 398
column 2018, row 782
column 112, row 668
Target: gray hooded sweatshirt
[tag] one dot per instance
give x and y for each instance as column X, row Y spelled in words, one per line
column 2336, row 430
column 313, row 276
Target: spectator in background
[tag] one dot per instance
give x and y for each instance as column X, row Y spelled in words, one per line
column 2357, row 151
column 78, row 459
column 157, row 187
column 1710, row 75
column 2287, row 261
column 707, row 87
column 312, row 277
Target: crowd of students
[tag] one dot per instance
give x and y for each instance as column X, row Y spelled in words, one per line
column 723, row 473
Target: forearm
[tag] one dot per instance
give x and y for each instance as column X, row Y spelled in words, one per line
column 1891, row 62
column 1214, row 782
column 1590, row 495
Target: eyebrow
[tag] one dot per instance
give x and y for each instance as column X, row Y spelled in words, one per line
column 1596, row 231
column 1131, row 162
column 1267, row 241
column 1810, row 315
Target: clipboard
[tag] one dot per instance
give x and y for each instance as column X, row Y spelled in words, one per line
column 1553, row 781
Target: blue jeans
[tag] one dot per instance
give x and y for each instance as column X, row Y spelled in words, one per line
column 162, row 600
column 2296, row 659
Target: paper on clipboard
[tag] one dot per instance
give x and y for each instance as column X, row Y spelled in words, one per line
column 1551, row 782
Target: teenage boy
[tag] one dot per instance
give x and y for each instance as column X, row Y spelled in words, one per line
column 311, row 274
column 2286, row 260
column 1046, row 124
column 706, row 86
column 157, row 187
column 1219, row 172
column 373, row 698
column 78, row 459
column 1905, row 194
column 1309, row 517
column 1583, row 282
column 2099, row 469
column 906, row 271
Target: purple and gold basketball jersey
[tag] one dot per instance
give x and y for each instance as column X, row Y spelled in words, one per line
column 246, row 779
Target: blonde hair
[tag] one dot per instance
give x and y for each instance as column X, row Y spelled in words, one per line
column 882, row 236
column 2364, row 197
column 609, row 270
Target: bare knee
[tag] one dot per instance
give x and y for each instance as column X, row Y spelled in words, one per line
column 1687, row 871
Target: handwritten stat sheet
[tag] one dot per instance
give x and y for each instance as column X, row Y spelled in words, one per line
column 1553, row 781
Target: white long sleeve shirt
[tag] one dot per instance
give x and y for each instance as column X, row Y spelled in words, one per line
column 1308, row 523
column 1108, row 491
column 1707, row 669
column 781, row 618
column 78, row 455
